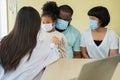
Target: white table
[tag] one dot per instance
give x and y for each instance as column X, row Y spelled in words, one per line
column 64, row 69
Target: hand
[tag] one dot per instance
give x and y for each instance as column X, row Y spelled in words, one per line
column 55, row 40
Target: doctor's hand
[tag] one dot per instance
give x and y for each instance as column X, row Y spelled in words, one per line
column 55, row 40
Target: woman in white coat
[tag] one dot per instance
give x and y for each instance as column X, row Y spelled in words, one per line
column 22, row 55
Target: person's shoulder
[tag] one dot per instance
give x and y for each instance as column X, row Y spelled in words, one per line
column 110, row 31
column 73, row 28
column 58, row 33
column 112, row 34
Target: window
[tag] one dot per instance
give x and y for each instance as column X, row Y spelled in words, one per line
column 3, row 18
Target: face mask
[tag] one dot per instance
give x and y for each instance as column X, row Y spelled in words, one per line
column 61, row 24
column 47, row 27
column 93, row 24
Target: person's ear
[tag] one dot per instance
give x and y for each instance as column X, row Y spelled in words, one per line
column 70, row 20
column 99, row 23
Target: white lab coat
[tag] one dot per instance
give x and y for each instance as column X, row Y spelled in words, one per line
column 42, row 55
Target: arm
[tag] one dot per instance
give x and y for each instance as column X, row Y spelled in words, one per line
column 113, row 52
column 76, row 47
column 114, row 45
column 61, row 46
column 84, row 53
column 77, row 54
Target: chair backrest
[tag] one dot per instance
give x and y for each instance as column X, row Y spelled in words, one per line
column 99, row 70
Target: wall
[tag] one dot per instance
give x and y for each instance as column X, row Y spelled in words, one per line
column 12, row 11
column 80, row 7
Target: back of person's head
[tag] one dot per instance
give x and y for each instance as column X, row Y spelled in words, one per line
column 101, row 13
column 66, row 8
column 50, row 9
column 21, row 40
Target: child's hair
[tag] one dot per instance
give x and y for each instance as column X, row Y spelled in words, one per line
column 50, row 9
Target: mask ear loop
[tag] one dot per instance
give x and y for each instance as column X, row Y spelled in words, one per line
column 69, row 22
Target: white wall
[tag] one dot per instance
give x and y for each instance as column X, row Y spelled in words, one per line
column 3, row 18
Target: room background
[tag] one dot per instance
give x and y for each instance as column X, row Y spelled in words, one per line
column 80, row 7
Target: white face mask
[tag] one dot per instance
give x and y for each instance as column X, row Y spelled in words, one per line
column 47, row 27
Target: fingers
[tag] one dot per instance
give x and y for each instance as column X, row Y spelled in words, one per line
column 55, row 40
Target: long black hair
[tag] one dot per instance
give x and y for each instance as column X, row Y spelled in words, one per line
column 21, row 40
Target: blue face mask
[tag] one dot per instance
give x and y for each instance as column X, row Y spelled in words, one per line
column 61, row 24
column 93, row 24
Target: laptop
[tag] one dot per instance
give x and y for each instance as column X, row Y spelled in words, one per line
column 99, row 70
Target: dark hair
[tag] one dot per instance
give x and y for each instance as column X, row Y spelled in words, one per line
column 50, row 9
column 21, row 40
column 66, row 8
column 101, row 13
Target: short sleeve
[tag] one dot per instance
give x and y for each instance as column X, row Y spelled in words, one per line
column 76, row 46
column 114, row 41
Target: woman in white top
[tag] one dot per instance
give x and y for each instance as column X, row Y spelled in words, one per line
column 48, row 33
column 22, row 55
column 99, row 42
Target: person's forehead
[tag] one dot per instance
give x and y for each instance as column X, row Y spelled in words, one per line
column 64, row 14
column 46, row 17
column 93, row 17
